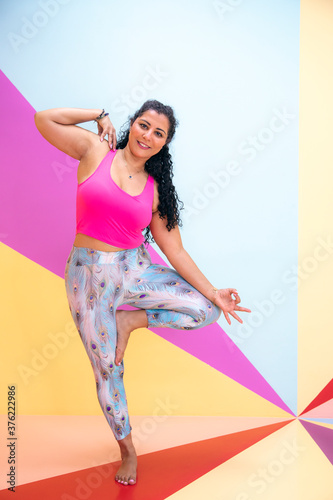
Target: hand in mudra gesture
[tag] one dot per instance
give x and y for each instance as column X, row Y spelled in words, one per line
column 105, row 127
column 223, row 299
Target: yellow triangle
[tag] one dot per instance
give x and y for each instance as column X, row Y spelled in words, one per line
column 40, row 349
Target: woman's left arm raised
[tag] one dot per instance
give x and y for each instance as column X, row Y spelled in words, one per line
column 170, row 243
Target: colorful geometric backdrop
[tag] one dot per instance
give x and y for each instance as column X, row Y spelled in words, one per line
column 234, row 412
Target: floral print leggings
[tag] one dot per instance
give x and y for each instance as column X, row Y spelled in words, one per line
column 97, row 283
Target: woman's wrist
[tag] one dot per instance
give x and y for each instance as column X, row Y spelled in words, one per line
column 102, row 115
column 88, row 115
column 215, row 290
column 212, row 294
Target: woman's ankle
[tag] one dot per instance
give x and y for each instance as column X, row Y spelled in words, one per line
column 126, row 446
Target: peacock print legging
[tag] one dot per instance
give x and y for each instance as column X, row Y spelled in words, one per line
column 97, row 283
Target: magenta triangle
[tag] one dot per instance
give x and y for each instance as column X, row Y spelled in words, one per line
column 38, row 197
column 323, row 436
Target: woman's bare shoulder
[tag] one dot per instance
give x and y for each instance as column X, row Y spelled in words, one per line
column 94, row 155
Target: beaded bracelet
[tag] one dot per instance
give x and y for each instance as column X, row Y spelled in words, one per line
column 102, row 115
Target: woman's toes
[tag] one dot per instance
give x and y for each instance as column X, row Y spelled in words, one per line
column 125, row 481
column 119, row 356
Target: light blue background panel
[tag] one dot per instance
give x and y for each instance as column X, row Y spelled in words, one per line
column 231, row 72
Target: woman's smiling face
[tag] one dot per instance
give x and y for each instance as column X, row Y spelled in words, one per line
column 148, row 134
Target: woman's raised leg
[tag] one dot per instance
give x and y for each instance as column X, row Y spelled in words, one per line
column 166, row 301
column 170, row 301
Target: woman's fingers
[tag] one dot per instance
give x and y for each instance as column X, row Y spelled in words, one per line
column 227, row 317
column 109, row 133
column 237, row 308
column 103, row 133
column 114, row 140
column 230, row 305
column 234, row 315
column 106, row 128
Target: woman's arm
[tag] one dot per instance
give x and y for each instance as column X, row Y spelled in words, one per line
column 58, row 127
column 171, row 245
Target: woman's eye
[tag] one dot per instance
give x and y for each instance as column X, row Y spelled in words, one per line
column 143, row 125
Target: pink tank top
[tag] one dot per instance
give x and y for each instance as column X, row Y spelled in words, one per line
column 106, row 212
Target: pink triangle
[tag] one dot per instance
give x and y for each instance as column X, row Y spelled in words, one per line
column 322, row 411
column 39, row 201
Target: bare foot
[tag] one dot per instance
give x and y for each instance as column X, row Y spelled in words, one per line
column 126, row 322
column 126, row 473
column 123, row 323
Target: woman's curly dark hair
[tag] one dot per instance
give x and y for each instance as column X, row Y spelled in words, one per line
column 159, row 166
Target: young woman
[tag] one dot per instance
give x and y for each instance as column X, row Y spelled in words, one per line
column 123, row 189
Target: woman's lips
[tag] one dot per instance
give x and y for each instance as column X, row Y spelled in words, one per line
column 142, row 145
